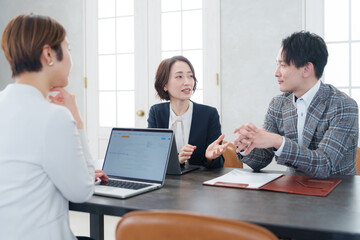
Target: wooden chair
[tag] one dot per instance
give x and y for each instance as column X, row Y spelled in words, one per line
column 358, row 161
column 176, row 225
column 230, row 157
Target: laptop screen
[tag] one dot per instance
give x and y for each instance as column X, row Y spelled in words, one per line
column 138, row 153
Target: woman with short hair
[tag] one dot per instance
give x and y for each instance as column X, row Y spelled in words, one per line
column 197, row 127
column 45, row 160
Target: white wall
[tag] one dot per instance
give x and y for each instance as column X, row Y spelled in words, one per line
column 251, row 34
column 70, row 14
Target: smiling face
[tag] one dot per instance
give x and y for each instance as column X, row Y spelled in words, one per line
column 290, row 78
column 181, row 82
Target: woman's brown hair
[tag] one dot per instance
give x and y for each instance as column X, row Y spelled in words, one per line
column 163, row 75
column 24, row 38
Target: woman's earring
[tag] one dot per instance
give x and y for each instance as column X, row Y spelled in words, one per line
column 51, row 63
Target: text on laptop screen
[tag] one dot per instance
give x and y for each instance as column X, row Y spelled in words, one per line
column 137, row 154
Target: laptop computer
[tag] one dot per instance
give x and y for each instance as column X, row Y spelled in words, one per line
column 174, row 167
column 136, row 161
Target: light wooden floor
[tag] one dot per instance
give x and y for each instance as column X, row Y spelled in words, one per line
column 79, row 223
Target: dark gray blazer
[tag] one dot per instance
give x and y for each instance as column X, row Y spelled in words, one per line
column 205, row 128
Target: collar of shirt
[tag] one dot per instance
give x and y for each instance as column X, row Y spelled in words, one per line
column 26, row 89
column 181, row 126
column 186, row 116
column 308, row 96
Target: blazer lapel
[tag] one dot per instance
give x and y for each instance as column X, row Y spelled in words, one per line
column 194, row 121
column 290, row 119
column 164, row 115
column 314, row 114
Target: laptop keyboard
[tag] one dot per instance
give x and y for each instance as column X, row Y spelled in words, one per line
column 125, row 184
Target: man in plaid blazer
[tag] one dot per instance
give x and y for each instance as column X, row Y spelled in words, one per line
column 312, row 127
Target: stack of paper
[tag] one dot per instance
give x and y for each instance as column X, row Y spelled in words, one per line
column 243, row 179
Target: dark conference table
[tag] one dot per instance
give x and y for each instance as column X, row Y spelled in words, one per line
column 336, row 216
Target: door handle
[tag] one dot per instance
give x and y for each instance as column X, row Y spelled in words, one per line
column 140, row 113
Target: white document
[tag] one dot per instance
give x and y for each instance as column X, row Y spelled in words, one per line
column 251, row 179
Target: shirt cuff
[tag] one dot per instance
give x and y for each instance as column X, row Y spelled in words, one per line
column 279, row 151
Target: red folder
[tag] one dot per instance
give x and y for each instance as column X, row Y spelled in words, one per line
column 302, row 185
column 293, row 184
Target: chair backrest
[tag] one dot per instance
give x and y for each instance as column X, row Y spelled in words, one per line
column 176, row 225
column 230, row 157
column 358, row 161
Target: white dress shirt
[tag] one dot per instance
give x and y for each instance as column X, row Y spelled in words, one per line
column 302, row 104
column 181, row 126
column 44, row 163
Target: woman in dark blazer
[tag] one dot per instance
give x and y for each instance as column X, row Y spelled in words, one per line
column 198, row 135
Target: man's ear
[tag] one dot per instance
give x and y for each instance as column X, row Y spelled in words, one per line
column 308, row 70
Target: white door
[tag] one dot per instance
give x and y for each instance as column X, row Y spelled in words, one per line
column 125, row 42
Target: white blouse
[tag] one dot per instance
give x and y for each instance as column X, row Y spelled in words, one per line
column 181, row 126
column 45, row 162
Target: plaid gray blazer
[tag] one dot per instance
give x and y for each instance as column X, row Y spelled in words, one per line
column 330, row 136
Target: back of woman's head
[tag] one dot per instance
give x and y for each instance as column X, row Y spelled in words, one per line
column 24, row 38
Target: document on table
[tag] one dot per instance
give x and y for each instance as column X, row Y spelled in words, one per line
column 243, row 179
